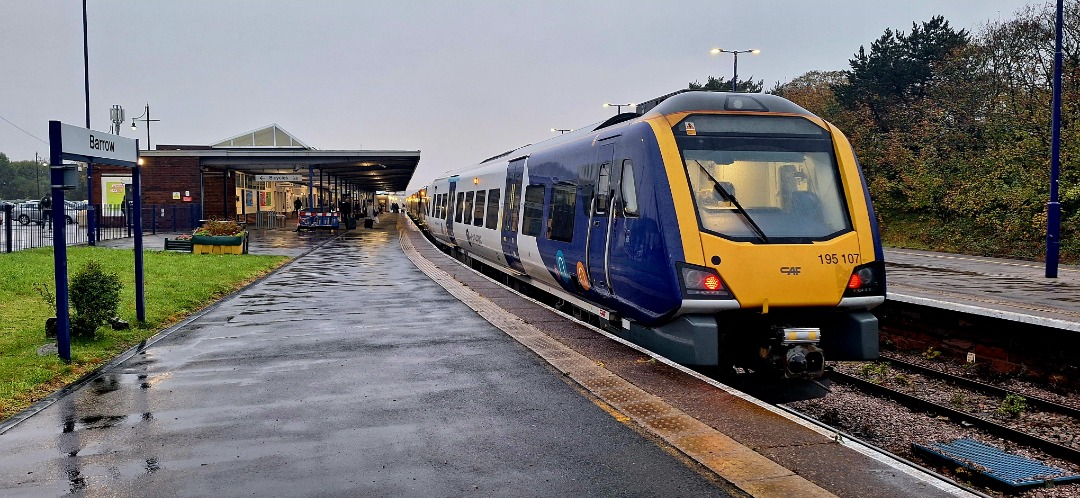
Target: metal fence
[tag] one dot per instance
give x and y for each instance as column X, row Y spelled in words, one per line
column 26, row 229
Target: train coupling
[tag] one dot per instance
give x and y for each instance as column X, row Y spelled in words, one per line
column 801, row 355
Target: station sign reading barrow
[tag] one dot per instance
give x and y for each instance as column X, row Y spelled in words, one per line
column 82, row 144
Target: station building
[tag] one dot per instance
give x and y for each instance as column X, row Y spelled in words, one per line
column 255, row 177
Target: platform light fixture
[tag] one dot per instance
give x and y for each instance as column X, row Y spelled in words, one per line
column 618, row 107
column 735, row 71
column 145, row 118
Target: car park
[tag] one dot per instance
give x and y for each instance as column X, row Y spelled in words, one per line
column 30, row 212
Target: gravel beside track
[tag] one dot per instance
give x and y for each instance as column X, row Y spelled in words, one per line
column 886, row 424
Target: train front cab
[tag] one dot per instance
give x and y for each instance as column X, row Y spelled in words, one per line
column 783, row 260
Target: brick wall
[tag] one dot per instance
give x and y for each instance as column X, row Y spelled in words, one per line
column 161, row 176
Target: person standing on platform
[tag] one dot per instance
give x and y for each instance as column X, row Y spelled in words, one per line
column 296, row 207
column 346, row 210
column 45, row 206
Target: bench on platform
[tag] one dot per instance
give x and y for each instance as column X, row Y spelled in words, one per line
column 178, row 245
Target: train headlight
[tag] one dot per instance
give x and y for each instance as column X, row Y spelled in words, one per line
column 701, row 282
column 866, row 280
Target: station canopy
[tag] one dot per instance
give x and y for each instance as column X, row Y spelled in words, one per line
column 271, row 150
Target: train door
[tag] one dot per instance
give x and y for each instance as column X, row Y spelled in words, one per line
column 600, row 222
column 452, row 209
column 621, row 259
column 511, row 207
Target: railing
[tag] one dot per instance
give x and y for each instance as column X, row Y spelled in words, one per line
column 24, row 229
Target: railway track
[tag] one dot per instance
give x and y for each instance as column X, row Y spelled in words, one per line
column 897, row 404
column 963, row 417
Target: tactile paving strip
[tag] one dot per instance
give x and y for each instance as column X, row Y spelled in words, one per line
column 1007, row 468
column 735, row 463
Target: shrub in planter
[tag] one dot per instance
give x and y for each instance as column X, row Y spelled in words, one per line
column 95, row 295
column 219, row 228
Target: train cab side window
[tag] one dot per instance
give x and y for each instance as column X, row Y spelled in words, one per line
column 628, row 189
column 459, row 207
column 466, row 211
column 478, row 209
column 493, row 209
column 563, row 201
column 533, row 218
column 603, row 188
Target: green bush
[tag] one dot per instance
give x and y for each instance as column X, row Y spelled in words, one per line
column 1012, row 405
column 95, row 295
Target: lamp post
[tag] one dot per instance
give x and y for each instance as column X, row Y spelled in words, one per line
column 735, row 71
column 618, row 107
column 1053, row 208
column 561, row 130
column 145, row 118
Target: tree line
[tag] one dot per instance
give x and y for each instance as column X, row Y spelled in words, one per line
column 23, row 180
column 953, row 130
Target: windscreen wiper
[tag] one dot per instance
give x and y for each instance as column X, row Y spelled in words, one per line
column 728, row 196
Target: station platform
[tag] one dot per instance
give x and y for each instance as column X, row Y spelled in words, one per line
column 348, row 372
column 1011, row 290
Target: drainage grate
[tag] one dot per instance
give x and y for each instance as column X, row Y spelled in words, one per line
column 1012, row 470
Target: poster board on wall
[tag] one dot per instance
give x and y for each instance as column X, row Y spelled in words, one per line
column 112, row 189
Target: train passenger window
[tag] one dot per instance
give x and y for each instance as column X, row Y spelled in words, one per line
column 628, row 189
column 445, row 206
column 478, row 210
column 534, row 210
column 603, row 188
column 563, row 200
column 466, row 211
column 459, row 207
column 493, row 209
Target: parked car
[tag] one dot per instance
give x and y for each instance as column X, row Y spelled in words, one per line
column 28, row 212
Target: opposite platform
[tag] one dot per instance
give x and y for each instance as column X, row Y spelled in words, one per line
column 1000, row 288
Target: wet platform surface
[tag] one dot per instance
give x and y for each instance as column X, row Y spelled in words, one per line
column 345, row 373
column 1001, row 288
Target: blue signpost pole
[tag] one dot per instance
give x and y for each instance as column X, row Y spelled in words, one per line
column 60, row 270
column 1053, row 208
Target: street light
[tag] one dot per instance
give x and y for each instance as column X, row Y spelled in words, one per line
column 735, row 72
column 618, row 107
column 146, row 120
column 561, row 130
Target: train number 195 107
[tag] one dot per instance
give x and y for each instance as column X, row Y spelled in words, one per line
column 833, row 258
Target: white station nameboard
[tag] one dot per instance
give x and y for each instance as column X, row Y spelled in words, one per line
column 279, row 178
column 100, row 147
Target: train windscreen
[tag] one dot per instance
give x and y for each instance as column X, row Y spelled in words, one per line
column 771, row 179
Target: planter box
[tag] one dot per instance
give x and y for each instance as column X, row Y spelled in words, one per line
column 218, row 240
column 219, row 244
column 216, row 249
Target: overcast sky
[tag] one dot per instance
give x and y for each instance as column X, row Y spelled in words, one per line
column 458, row 80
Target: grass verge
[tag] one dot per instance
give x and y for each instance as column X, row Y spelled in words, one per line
column 176, row 285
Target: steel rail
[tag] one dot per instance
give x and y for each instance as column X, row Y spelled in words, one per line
column 914, row 402
column 1033, row 401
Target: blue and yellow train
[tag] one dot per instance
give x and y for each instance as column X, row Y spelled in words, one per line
column 714, row 228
